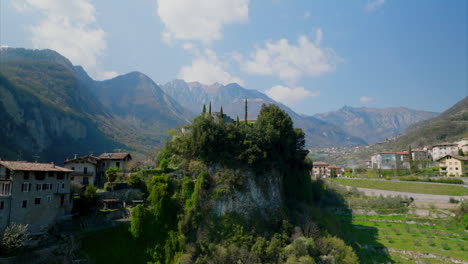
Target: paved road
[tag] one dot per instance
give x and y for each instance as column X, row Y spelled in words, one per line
column 416, row 196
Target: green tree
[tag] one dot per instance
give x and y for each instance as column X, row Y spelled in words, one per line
column 204, row 109
column 14, row 237
column 112, row 173
column 90, row 193
column 460, row 152
column 164, row 165
column 209, row 110
column 237, row 121
column 245, row 111
column 139, row 222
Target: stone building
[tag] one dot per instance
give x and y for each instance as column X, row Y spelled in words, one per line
column 37, row 194
column 84, row 169
column 109, row 160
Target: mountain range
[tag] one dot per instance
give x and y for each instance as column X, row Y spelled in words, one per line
column 375, row 124
column 194, row 95
column 53, row 109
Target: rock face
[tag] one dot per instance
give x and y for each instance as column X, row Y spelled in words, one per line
column 231, row 96
column 256, row 195
column 373, row 124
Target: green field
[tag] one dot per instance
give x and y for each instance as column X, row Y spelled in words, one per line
column 412, row 187
column 410, row 239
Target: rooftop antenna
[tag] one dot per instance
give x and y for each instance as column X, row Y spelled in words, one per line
column 76, row 155
column 36, row 158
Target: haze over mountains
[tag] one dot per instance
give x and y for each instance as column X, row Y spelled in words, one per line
column 52, row 108
column 375, row 124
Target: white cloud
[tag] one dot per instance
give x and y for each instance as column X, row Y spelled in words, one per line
column 200, row 20
column 206, row 68
column 290, row 96
column 291, row 62
column 366, row 99
column 374, row 5
column 105, row 75
column 68, row 27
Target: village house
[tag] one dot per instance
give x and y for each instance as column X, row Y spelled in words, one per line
column 463, row 145
column 84, row 169
column 390, row 160
column 110, row 160
column 320, row 169
column 443, row 149
column 36, row 194
column 453, row 165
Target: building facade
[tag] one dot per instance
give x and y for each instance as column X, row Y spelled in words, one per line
column 444, row 149
column 84, row 169
column 36, row 194
column 320, row 169
column 453, row 165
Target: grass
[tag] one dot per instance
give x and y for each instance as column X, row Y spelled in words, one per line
column 113, row 245
column 412, row 187
column 444, row 239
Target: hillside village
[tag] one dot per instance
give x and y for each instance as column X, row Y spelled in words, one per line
column 449, row 157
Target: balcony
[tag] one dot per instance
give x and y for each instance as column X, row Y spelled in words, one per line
column 60, row 191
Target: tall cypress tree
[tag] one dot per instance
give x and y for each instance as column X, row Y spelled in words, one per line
column 221, row 115
column 204, row 109
column 237, row 121
column 209, row 109
column 245, row 119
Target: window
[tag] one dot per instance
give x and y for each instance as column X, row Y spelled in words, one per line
column 72, row 168
column 60, row 176
column 25, row 203
column 2, row 205
column 38, row 187
column 117, row 164
column 85, row 181
column 26, row 175
column 85, row 170
column 39, row 175
column 26, row 187
column 62, row 200
column 50, row 174
column 50, row 186
column 45, row 186
column 37, row 201
column 7, row 173
column 63, row 185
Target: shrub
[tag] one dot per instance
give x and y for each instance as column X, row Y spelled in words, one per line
column 336, row 248
column 112, row 173
column 14, row 237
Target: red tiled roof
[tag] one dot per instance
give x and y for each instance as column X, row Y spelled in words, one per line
column 114, row 156
column 32, row 166
column 402, row 153
column 320, row 163
column 87, row 158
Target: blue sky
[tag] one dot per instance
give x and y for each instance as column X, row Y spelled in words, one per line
column 314, row 56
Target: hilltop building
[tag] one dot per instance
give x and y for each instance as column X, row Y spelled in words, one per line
column 36, row 194
column 463, row 145
column 91, row 170
column 453, row 165
column 84, row 169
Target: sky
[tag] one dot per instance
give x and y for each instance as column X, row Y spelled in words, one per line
column 312, row 55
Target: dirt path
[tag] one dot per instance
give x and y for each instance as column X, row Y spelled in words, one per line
column 434, row 198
